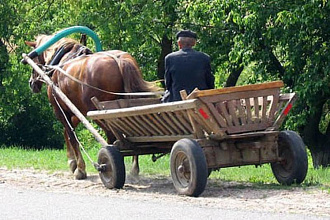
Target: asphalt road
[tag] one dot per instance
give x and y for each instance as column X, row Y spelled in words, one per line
column 18, row 203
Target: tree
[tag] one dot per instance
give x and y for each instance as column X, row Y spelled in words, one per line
column 277, row 40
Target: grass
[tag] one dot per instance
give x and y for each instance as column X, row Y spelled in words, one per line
column 55, row 160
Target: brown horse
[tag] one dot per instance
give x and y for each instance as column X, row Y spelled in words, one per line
column 114, row 71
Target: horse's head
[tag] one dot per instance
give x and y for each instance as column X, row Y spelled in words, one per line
column 45, row 57
column 35, row 81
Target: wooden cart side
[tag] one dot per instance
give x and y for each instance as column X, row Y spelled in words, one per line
column 242, row 109
column 283, row 108
column 159, row 122
column 255, row 87
column 123, row 103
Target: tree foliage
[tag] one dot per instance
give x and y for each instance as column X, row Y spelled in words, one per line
column 248, row 41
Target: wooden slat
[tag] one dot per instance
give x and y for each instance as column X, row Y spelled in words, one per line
column 264, row 108
column 170, row 123
column 254, row 87
column 256, row 108
column 121, row 127
column 248, row 111
column 147, row 109
column 225, row 113
column 144, row 125
column 217, row 116
column 154, row 130
column 161, row 128
column 241, row 111
column 183, row 120
column 273, row 104
column 162, row 124
column 176, row 121
column 232, row 112
column 159, row 138
column 137, row 126
column 238, row 95
column 133, row 128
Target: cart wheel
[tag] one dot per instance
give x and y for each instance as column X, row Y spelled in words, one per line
column 188, row 167
column 112, row 167
column 293, row 167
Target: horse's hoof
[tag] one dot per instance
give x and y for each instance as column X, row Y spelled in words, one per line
column 135, row 173
column 79, row 175
column 72, row 165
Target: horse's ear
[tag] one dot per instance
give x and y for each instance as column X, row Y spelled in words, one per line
column 31, row 43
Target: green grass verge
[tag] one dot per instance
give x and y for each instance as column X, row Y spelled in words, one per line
column 55, row 160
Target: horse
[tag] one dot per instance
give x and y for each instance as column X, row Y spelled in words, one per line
column 114, row 71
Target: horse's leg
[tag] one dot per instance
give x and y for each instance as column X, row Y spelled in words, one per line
column 135, row 159
column 135, row 166
column 80, row 172
column 70, row 153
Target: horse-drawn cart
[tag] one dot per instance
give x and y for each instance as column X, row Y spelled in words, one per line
column 210, row 129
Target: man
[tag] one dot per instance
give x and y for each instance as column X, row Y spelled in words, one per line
column 187, row 68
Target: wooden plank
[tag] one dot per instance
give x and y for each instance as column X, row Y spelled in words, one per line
column 123, row 103
column 254, row 87
column 162, row 124
column 170, row 123
column 248, row 128
column 159, row 126
column 133, row 128
column 285, row 110
column 256, row 108
column 241, row 112
column 144, row 125
column 225, row 113
column 264, row 108
column 137, row 126
column 176, row 121
column 146, row 109
column 218, row 117
column 182, row 117
column 154, row 129
column 159, row 138
column 273, row 105
column 251, row 134
column 232, row 111
column 248, row 111
column 238, row 95
column 121, row 127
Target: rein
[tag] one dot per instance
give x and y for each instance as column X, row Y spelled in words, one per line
column 101, row 90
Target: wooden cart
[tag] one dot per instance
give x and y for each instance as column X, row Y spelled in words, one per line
column 208, row 130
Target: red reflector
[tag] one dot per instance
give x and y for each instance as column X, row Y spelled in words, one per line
column 287, row 109
column 203, row 113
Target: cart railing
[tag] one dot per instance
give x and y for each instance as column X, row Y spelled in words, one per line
column 157, row 122
column 248, row 108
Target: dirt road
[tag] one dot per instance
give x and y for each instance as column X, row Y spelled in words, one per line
column 225, row 195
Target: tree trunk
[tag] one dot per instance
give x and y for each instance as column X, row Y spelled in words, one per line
column 234, row 75
column 3, row 63
column 166, row 48
column 317, row 142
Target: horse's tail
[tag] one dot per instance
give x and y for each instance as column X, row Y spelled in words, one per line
column 133, row 79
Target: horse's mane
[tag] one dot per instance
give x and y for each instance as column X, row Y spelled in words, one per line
column 48, row 54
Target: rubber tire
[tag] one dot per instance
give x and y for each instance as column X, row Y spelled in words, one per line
column 191, row 182
column 114, row 174
column 295, row 165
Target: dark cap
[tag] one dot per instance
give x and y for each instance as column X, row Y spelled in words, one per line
column 186, row 33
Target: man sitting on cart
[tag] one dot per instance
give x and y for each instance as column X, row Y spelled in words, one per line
column 187, row 68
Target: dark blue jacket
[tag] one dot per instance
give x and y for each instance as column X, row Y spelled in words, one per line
column 187, row 69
